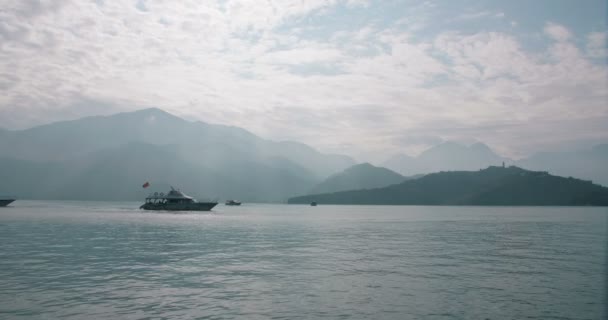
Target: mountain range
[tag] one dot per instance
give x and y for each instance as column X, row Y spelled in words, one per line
column 590, row 164
column 359, row 176
column 449, row 156
column 445, row 156
column 110, row 157
column 490, row 186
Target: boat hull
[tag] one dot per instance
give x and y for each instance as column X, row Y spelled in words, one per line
column 5, row 202
column 197, row 206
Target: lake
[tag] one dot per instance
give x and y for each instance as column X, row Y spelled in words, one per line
column 104, row 260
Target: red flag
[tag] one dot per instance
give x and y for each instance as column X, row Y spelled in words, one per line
column 147, row 184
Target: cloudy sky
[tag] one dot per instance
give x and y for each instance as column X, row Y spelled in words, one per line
column 364, row 78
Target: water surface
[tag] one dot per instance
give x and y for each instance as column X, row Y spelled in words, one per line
column 85, row 260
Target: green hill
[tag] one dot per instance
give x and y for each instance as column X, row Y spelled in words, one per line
column 491, row 186
column 360, row 176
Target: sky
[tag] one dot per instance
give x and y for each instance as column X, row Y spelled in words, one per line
column 369, row 79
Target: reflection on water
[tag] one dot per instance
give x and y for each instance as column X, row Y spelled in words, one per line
column 109, row 260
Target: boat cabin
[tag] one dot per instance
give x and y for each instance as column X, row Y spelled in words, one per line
column 174, row 196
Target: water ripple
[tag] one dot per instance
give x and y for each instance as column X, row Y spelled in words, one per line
column 76, row 260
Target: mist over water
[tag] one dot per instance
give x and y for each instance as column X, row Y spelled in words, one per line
column 78, row 260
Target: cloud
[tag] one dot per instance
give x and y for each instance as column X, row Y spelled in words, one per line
column 410, row 140
column 557, row 32
column 478, row 15
column 596, row 44
column 287, row 70
column 358, row 3
column 303, row 54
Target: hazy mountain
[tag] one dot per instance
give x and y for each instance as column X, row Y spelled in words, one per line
column 110, row 157
column 210, row 143
column 404, row 164
column 26, row 179
column 491, row 186
column 446, row 156
column 117, row 174
column 587, row 164
column 360, row 176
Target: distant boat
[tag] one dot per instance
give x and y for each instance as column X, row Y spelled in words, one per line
column 313, row 204
column 233, row 203
column 5, row 202
column 175, row 200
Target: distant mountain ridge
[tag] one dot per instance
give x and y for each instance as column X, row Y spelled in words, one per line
column 591, row 164
column 586, row 164
column 62, row 140
column 491, row 186
column 446, row 156
column 359, row 176
column 109, row 157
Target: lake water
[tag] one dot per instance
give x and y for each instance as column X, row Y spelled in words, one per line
column 87, row 260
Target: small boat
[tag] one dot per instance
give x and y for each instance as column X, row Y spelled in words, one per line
column 175, row 200
column 5, row 202
column 233, row 203
column 313, row 204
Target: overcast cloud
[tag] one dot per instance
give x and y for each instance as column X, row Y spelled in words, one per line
column 364, row 78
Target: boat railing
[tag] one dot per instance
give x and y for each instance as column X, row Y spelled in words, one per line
column 162, row 196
